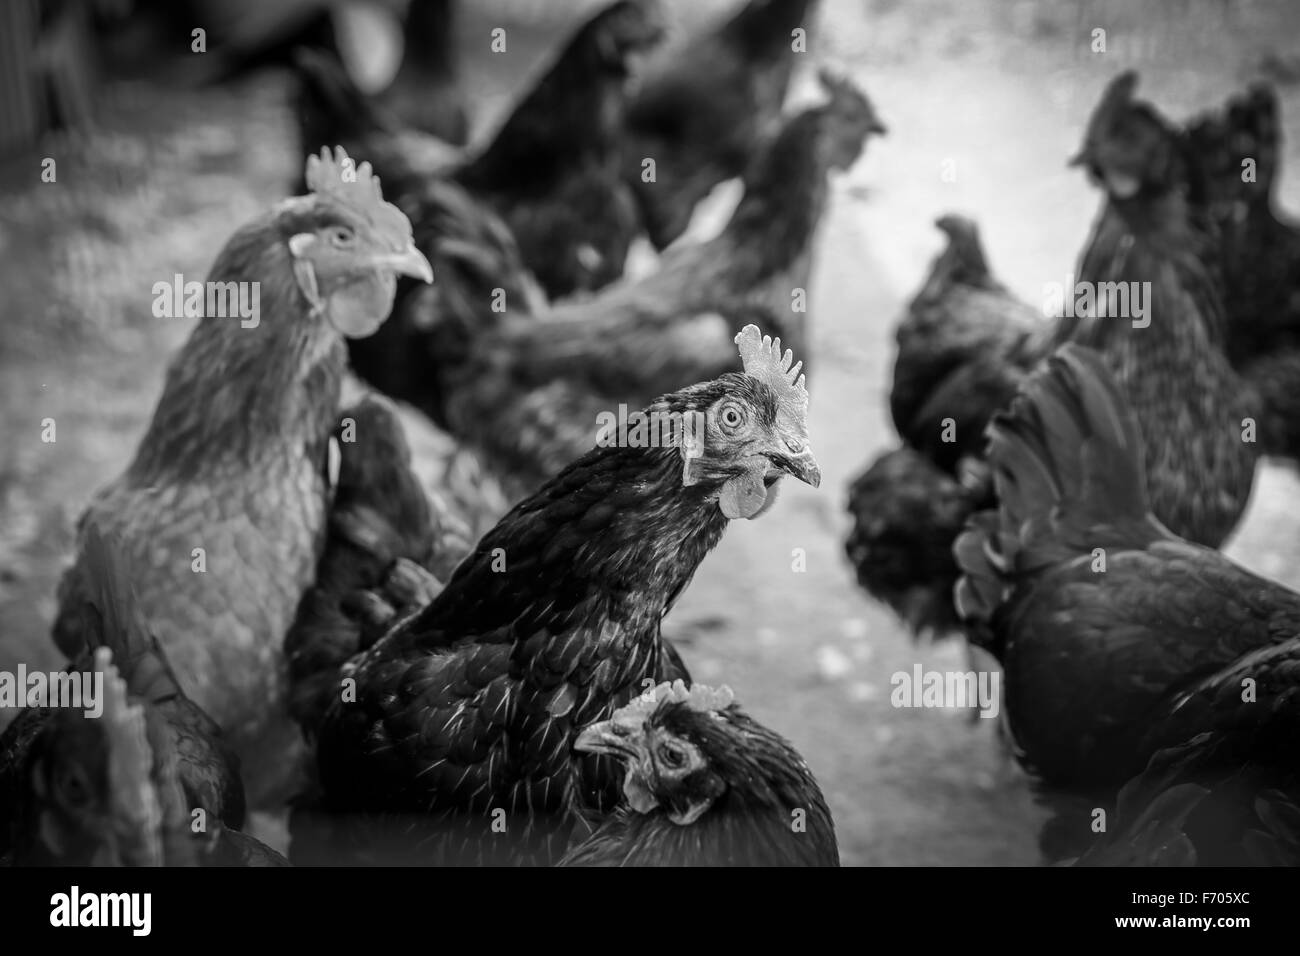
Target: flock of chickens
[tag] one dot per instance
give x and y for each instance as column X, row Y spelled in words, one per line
column 451, row 655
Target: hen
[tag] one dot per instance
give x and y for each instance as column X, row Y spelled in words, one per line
column 705, row 785
column 705, row 108
column 1259, row 249
column 124, row 788
column 542, row 380
column 222, row 514
column 1259, row 256
column 1169, row 360
column 456, row 742
column 380, row 516
column 1117, row 637
column 964, row 346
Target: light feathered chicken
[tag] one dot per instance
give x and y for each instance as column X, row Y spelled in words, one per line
column 222, row 514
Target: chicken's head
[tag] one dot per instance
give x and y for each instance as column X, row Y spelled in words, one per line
column 93, row 797
column 850, row 118
column 1128, row 146
column 742, row 433
column 624, row 30
column 672, row 742
column 348, row 246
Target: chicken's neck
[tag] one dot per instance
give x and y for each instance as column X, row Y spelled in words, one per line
column 246, row 395
column 785, row 196
column 602, row 550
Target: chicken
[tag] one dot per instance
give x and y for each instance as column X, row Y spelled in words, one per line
column 1259, row 248
column 81, row 791
column 705, row 107
column 457, row 744
column 426, row 93
column 705, row 785
column 1207, row 804
column 906, row 515
column 1259, row 256
column 1168, row 359
column 543, row 380
column 553, row 171
column 964, row 346
column 136, row 785
column 380, row 515
column 223, row 511
column 1117, row 638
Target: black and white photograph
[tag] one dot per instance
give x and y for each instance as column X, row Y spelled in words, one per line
column 651, row 433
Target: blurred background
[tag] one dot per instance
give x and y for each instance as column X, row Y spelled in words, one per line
column 162, row 152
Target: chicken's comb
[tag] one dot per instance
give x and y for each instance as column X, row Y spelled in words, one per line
column 763, row 360
column 696, row 697
column 137, row 815
column 355, row 186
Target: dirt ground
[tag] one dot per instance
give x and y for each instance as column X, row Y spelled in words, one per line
column 999, row 88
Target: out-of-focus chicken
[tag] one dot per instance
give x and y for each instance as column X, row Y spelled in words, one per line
column 222, row 514
column 1117, row 638
column 542, row 380
column 554, row 170
column 704, row 785
column 1259, row 248
column 127, row 787
column 964, row 346
column 1151, row 246
column 1236, row 153
column 380, row 515
column 705, row 107
column 458, row 745
column 79, row 791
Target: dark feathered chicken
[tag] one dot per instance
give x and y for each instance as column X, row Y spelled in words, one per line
column 1259, row 248
column 222, row 513
column 1170, row 363
column 380, row 514
column 541, row 380
column 554, row 170
column 704, row 785
column 704, row 109
column 458, row 745
column 1117, row 637
column 964, row 346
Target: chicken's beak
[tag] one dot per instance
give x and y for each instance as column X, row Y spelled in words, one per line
column 877, row 127
column 1078, row 159
column 802, row 466
column 605, row 737
column 409, row 262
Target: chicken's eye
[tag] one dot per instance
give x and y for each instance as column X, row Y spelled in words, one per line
column 732, row 417
column 671, row 757
column 74, row 790
column 341, row 235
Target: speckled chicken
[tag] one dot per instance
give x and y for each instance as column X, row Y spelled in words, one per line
column 704, row 785
column 705, row 107
column 457, row 747
column 221, row 515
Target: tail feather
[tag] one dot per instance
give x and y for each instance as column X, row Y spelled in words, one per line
column 1068, row 474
